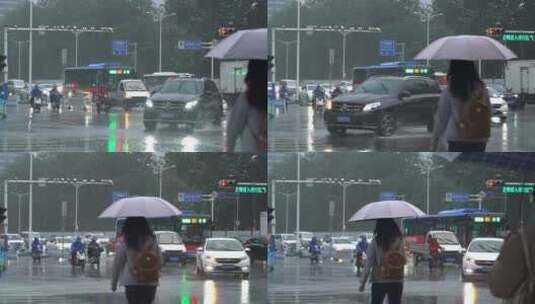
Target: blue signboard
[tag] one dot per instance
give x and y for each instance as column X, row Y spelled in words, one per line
column 457, row 197
column 117, row 195
column 189, row 45
column 189, row 197
column 387, row 48
column 388, row 196
column 119, row 47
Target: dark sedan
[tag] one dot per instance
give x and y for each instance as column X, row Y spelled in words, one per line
column 190, row 102
column 383, row 103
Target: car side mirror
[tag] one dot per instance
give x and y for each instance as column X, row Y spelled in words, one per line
column 404, row 94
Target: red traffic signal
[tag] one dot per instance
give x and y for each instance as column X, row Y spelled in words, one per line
column 494, row 31
column 493, row 183
column 226, row 183
column 226, row 31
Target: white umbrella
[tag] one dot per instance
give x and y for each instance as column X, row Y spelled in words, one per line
column 143, row 206
column 386, row 209
column 242, row 45
column 466, row 47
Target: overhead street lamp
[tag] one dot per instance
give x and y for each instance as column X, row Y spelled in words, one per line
column 161, row 17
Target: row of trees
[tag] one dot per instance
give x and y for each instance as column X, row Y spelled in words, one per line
column 133, row 20
column 400, row 20
column 137, row 174
column 402, row 173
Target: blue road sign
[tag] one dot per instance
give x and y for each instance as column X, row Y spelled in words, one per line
column 119, row 47
column 457, row 197
column 189, row 45
column 117, row 195
column 189, row 197
column 187, row 212
column 387, row 48
column 388, row 196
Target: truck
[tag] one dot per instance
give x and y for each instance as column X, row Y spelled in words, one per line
column 520, row 79
column 232, row 79
column 452, row 251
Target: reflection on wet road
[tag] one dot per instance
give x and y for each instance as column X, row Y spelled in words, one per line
column 86, row 131
column 300, row 129
column 294, row 280
column 54, row 282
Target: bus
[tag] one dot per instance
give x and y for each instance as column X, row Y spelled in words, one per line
column 85, row 79
column 399, row 68
column 466, row 223
column 193, row 229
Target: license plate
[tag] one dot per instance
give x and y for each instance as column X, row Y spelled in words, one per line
column 167, row 115
column 228, row 267
column 450, row 260
column 343, row 119
column 174, row 259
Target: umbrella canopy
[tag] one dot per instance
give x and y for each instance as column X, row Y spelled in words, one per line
column 466, row 47
column 242, row 45
column 517, row 161
column 386, row 209
column 143, row 206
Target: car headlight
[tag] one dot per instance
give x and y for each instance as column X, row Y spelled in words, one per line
column 149, row 103
column 329, row 105
column 516, row 95
column 371, row 106
column 244, row 258
column 191, row 104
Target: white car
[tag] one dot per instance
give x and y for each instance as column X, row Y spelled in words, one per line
column 498, row 103
column 62, row 243
column 339, row 248
column 172, row 247
column 14, row 241
column 223, row 255
column 480, row 257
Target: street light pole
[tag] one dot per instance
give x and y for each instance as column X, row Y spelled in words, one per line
column 298, row 61
column 427, row 192
column 30, row 59
column 344, row 44
column 19, row 51
column 30, row 200
column 160, row 49
column 77, row 191
column 344, row 189
column 428, row 40
column 76, row 38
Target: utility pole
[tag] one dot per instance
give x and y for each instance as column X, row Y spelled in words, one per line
column 30, row 57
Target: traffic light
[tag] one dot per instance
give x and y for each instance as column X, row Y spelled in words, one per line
column 3, row 63
column 226, row 183
column 2, row 214
column 494, row 31
column 225, row 31
column 271, row 214
column 493, row 183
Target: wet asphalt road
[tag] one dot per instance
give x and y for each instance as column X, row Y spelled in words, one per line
column 54, row 282
column 299, row 129
column 294, row 280
column 81, row 129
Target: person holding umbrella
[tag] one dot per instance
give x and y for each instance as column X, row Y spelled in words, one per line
column 463, row 118
column 385, row 261
column 137, row 261
column 464, row 111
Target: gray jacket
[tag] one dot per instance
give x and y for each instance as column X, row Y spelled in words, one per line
column 448, row 115
column 374, row 260
column 124, row 263
column 244, row 123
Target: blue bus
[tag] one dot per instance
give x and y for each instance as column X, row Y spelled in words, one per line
column 398, row 68
column 467, row 223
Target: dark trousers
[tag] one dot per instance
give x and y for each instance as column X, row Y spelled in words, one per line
column 392, row 290
column 460, row 146
column 140, row 294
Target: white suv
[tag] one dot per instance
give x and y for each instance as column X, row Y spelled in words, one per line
column 223, row 255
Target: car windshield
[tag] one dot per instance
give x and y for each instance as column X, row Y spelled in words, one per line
column 169, row 238
column 341, row 241
column 305, row 235
column 64, row 240
column 498, row 88
column 488, row 246
column 380, row 86
column 18, row 83
column 446, row 238
column 493, row 91
column 187, row 87
column 288, row 237
column 223, row 245
column 14, row 237
column 134, row 86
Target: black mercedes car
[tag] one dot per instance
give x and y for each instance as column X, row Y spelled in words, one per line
column 383, row 103
column 185, row 101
